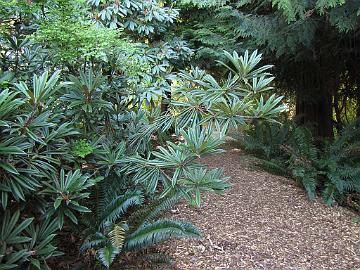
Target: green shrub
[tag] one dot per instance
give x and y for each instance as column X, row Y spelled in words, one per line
column 332, row 169
column 41, row 125
column 340, row 166
column 112, row 233
column 88, row 151
column 34, row 151
column 82, row 148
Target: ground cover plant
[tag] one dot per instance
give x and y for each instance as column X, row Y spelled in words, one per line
column 101, row 132
column 329, row 169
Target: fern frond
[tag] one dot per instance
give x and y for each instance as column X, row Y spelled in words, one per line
column 328, row 193
column 92, row 241
column 152, row 233
column 109, row 189
column 117, row 236
column 308, row 178
column 309, row 184
column 119, row 205
column 274, row 166
column 107, row 255
column 153, row 210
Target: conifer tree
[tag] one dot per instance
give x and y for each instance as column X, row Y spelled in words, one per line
column 312, row 43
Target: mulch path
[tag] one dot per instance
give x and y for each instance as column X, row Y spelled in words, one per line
column 264, row 222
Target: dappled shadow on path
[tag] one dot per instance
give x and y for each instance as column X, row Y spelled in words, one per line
column 265, row 222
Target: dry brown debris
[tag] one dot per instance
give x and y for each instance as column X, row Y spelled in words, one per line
column 264, row 223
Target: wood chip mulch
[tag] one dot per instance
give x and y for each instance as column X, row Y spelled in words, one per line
column 264, row 222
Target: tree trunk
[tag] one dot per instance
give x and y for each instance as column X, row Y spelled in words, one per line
column 316, row 113
column 314, row 101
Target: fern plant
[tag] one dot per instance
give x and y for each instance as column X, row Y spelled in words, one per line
column 332, row 170
column 340, row 166
column 115, row 231
column 303, row 160
column 287, row 150
column 266, row 139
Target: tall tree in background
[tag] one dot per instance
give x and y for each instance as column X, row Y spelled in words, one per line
column 312, row 42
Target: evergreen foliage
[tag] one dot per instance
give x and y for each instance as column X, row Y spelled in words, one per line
column 332, row 169
column 141, row 17
column 103, row 119
column 84, row 145
column 312, row 43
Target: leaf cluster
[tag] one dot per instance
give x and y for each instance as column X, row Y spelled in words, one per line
column 331, row 169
